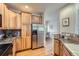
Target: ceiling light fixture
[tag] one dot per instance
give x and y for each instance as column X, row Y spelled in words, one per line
column 26, row 6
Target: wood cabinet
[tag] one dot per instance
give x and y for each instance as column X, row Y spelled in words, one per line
column 18, row 21
column 12, row 20
column 66, row 52
column 56, row 47
column 26, row 30
column 25, row 41
column 14, row 47
column 26, row 18
column 61, row 49
column 28, row 43
column 26, row 24
column 2, row 13
column 37, row 19
column 6, row 24
column 19, row 44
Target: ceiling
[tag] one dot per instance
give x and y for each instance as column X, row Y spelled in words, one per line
column 35, row 7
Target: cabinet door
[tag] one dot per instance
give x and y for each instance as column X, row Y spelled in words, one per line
column 26, row 24
column 18, row 21
column 2, row 13
column 26, row 30
column 66, row 52
column 41, row 20
column 26, row 43
column 35, row 19
column 61, row 49
column 12, row 20
column 26, row 18
column 56, row 47
column 0, row 8
column 24, row 34
column 6, row 18
column 18, row 44
column 28, row 40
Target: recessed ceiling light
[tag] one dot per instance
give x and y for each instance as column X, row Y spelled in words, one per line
column 26, row 6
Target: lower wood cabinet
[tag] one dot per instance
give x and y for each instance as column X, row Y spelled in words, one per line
column 56, row 47
column 66, row 52
column 28, row 43
column 18, row 44
column 60, row 49
column 23, row 43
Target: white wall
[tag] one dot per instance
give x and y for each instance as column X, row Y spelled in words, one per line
column 68, row 12
column 77, row 18
column 53, row 20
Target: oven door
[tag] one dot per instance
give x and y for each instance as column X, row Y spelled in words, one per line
column 5, row 49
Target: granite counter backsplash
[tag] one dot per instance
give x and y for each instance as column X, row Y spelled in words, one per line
column 10, row 32
column 70, row 36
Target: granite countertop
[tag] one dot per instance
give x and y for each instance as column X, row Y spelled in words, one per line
column 7, row 40
column 72, row 46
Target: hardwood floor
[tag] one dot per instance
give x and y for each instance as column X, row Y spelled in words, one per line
column 35, row 52
column 46, row 51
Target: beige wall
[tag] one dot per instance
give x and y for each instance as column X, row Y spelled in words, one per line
column 68, row 12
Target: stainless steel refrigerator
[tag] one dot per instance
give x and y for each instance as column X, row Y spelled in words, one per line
column 37, row 36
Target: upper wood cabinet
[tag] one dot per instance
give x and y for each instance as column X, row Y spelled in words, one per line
column 26, row 24
column 12, row 20
column 36, row 19
column 26, row 18
column 2, row 13
column 18, row 21
column 6, row 21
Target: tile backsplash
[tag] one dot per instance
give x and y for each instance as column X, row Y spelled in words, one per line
column 71, row 36
column 10, row 32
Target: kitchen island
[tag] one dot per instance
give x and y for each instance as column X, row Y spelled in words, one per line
column 71, row 46
column 66, row 47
